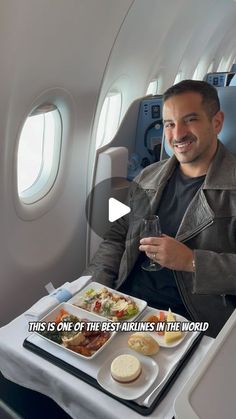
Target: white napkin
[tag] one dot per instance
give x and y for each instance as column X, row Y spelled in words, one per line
column 57, row 296
column 168, row 362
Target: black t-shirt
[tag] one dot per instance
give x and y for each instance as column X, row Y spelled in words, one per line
column 159, row 288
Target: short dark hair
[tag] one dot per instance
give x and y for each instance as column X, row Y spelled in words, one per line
column 210, row 99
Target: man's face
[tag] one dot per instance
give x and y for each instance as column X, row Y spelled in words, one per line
column 190, row 132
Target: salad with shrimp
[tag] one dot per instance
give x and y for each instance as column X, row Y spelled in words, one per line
column 109, row 304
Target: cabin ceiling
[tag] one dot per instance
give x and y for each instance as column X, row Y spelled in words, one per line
column 161, row 38
column 154, row 36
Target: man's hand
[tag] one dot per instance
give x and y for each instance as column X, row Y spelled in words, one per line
column 168, row 252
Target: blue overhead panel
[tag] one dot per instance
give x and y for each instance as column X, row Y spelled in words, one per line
column 219, row 79
column 148, row 136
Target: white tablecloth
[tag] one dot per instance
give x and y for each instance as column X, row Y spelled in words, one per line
column 78, row 399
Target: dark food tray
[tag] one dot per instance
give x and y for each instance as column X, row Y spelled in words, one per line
column 143, row 410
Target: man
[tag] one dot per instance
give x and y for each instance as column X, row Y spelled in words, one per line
column 194, row 194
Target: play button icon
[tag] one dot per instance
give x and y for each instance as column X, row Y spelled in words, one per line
column 116, row 209
column 105, row 204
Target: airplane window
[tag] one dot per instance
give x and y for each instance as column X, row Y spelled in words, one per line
column 38, row 153
column 201, row 70
column 196, row 73
column 152, row 87
column 211, row 67
column 179, row 77
column 224, row 64
column 109, row 118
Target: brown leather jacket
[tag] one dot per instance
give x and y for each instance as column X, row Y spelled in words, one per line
column 208, row 227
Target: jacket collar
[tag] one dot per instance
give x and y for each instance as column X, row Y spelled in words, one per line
column 222, row 170
column 153, row 179
column 220, row 175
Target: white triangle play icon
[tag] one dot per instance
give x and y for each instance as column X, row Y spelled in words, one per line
column 116, row 209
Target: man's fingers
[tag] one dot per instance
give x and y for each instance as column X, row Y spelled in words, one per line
column 151, row 240
column 153, row 256
column 148, row 248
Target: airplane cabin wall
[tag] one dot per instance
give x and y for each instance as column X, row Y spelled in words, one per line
column 59, row 49
column 74, row 52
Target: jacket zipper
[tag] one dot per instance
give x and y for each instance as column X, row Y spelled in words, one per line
column 224, row 299
column 195, row 232
column 175, row 275
column 192, row 315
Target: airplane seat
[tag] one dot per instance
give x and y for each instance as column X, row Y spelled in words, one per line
column 136, row 144
column 233, row 81
column 139, row 138
column 220, row 78
column 148, row 136
column 227, row 96
column 111, row 162
column 233, row 67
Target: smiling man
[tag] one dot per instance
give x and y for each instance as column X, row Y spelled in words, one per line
column 194, row 195
column 192, row 121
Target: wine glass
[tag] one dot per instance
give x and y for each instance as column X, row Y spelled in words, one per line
column 150, row 227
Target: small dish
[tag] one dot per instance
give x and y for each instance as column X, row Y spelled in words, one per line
column 83, row 316
column 135, row 389
column 160, row 338
column 87, row 299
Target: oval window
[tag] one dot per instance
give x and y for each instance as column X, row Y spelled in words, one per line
column 178, row 77
column 152, row 87
column 38, row 154
column 109, row 118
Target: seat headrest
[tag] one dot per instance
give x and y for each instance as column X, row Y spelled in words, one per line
column 227, row 96
column 233, row 81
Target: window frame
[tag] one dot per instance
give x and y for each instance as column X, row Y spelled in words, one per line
column 65, row 102
column 153, row 91
column 102, row 140
column 47, row 175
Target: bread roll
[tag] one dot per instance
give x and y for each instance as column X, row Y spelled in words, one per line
column 125, row 368
column 143, row 343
